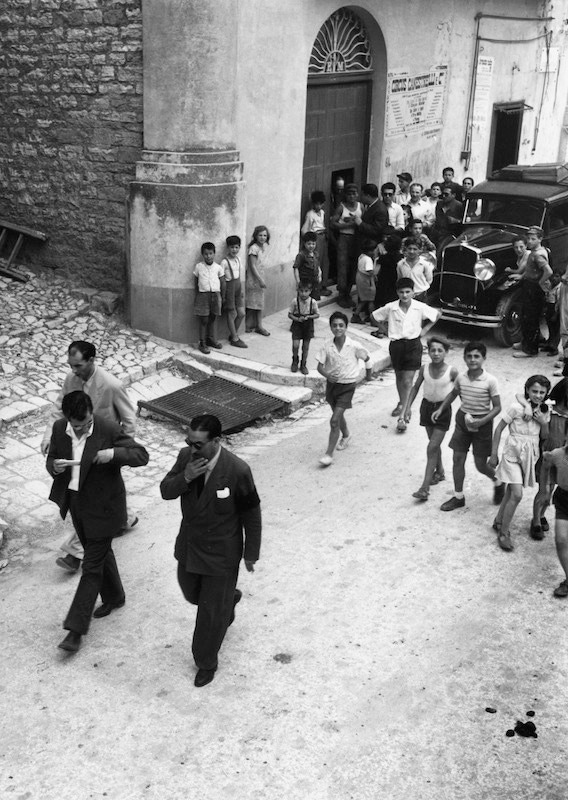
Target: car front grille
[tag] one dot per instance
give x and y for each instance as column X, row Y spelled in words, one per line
column 457, row 283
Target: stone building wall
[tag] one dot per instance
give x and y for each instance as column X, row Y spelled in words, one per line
column 71, row 129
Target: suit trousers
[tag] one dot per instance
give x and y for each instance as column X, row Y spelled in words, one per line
column 99, row 575
column 532, row 305
column 214, row 596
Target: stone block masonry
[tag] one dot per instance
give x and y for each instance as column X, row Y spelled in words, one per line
column 71, row 130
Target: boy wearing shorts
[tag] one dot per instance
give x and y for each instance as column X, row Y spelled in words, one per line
column 408, row 320
column 338, row 362
column 233, row 300
column 555, row 471
column 209, row 278
column 480, row 404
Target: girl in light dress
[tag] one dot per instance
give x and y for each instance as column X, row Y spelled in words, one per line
column 255, row 284
column 528, row 420
column 438, row 378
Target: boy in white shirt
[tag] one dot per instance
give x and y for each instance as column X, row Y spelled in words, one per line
column 408, row 320
column 415, row 266
column 209, row 283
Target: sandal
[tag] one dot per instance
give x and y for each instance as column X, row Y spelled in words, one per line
column 497, row 526
column 544, row 524
column 421, row 494
column 561, row 590
column 438, row 476
column 396, row 411
column 401, row 426
column 344, row 442
column 536, row 532
column 504, row 540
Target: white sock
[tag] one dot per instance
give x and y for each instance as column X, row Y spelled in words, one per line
column 459, row 495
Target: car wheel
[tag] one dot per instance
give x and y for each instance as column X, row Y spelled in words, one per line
column 509, row 310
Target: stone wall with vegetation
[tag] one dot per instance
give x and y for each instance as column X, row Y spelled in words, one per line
column 71, row 129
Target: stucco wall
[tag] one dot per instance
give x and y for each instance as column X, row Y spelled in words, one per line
column 275, row 42
column 71, row 128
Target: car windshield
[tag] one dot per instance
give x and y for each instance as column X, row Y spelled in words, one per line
column 504, row 210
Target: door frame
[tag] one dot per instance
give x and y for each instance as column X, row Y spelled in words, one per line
column 503, row 108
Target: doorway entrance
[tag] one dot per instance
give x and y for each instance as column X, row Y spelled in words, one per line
column 505, row 135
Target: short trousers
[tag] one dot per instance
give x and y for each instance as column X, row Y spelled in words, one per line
column 207, row 304
column 339, row 395
column 427, row 408
column 480, row 440
column 302, row 330
column 406, row 354
column 560, row 500
column 234, row 297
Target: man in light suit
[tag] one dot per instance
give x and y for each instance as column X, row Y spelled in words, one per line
column 85, row 456
column 219, row 502
column 110, row 401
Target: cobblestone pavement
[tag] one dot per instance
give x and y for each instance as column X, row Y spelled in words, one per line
column 39, row 320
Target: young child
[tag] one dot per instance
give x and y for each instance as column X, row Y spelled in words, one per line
column 555, row 471
column 438, row 379
column 408, row 320
column 233, row 301
column 427, row 247
column 255, row 285
column 552, row 314
column 532, row 285
column 433, row 195
column 413, row 265
column 557, row 437
column 516, row 468
column 480, row 404
column 365, row 282
column 306, row 265
column 315, row 223
column 303, row 310
column 338, row 362
column 209, row 283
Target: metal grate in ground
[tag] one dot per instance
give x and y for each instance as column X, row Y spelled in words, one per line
column 234, row 404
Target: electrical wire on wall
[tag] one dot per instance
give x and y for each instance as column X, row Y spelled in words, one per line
column 547, row 36
column 548, row 39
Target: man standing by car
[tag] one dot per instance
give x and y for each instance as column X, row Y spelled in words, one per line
column 449, row 214
column 533, row 284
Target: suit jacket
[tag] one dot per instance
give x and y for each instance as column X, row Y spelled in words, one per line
column 109, row 397
column 374, row 222
column 101, row 494
column 443, row 225
column 210, row 539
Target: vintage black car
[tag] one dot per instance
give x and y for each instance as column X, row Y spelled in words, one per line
column 471, row 285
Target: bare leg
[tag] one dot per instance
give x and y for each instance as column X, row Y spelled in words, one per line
column 561, row 536
column 404, row 380
column 459, row 470
column 231, row 315
column 337, row 425
column 483, row 467
column 512, row 498
column 203, row 322
column 433, row 455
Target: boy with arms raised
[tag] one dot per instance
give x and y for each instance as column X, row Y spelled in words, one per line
column 480, row 404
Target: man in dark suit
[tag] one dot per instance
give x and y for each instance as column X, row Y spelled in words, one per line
column 85, row 455
column 374, row 222
column 219, row 502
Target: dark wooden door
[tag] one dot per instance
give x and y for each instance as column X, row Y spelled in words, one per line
column 337, row 136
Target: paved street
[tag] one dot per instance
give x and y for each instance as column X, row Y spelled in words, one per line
column 371, row 638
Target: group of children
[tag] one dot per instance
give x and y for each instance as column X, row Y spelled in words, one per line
column 219, row 286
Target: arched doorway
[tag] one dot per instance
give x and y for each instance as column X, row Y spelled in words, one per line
column 338, row 106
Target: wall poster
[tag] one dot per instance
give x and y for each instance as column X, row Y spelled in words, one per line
column 415, row 103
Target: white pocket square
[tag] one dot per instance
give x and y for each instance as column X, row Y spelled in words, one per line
column 223, row 493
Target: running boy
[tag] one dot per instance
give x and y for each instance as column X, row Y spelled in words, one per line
column 233, row 301
column 303, row 310
column 338, row 362
column 306, row 265
column 480, row 404
column 408, row 320
column 209, row 283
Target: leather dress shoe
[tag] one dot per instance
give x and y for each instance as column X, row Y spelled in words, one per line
column 71, row 643
column 105, row 608
column 204, row 676
column 69, row 563
column 237, row 599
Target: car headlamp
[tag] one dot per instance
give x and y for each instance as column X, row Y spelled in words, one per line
column 484, row 269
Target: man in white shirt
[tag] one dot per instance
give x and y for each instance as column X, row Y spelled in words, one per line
column 395, row 212
column 402, row 197
column 417, row 207
column 408, row 320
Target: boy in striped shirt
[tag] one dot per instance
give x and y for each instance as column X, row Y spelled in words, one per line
column 480, row 404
